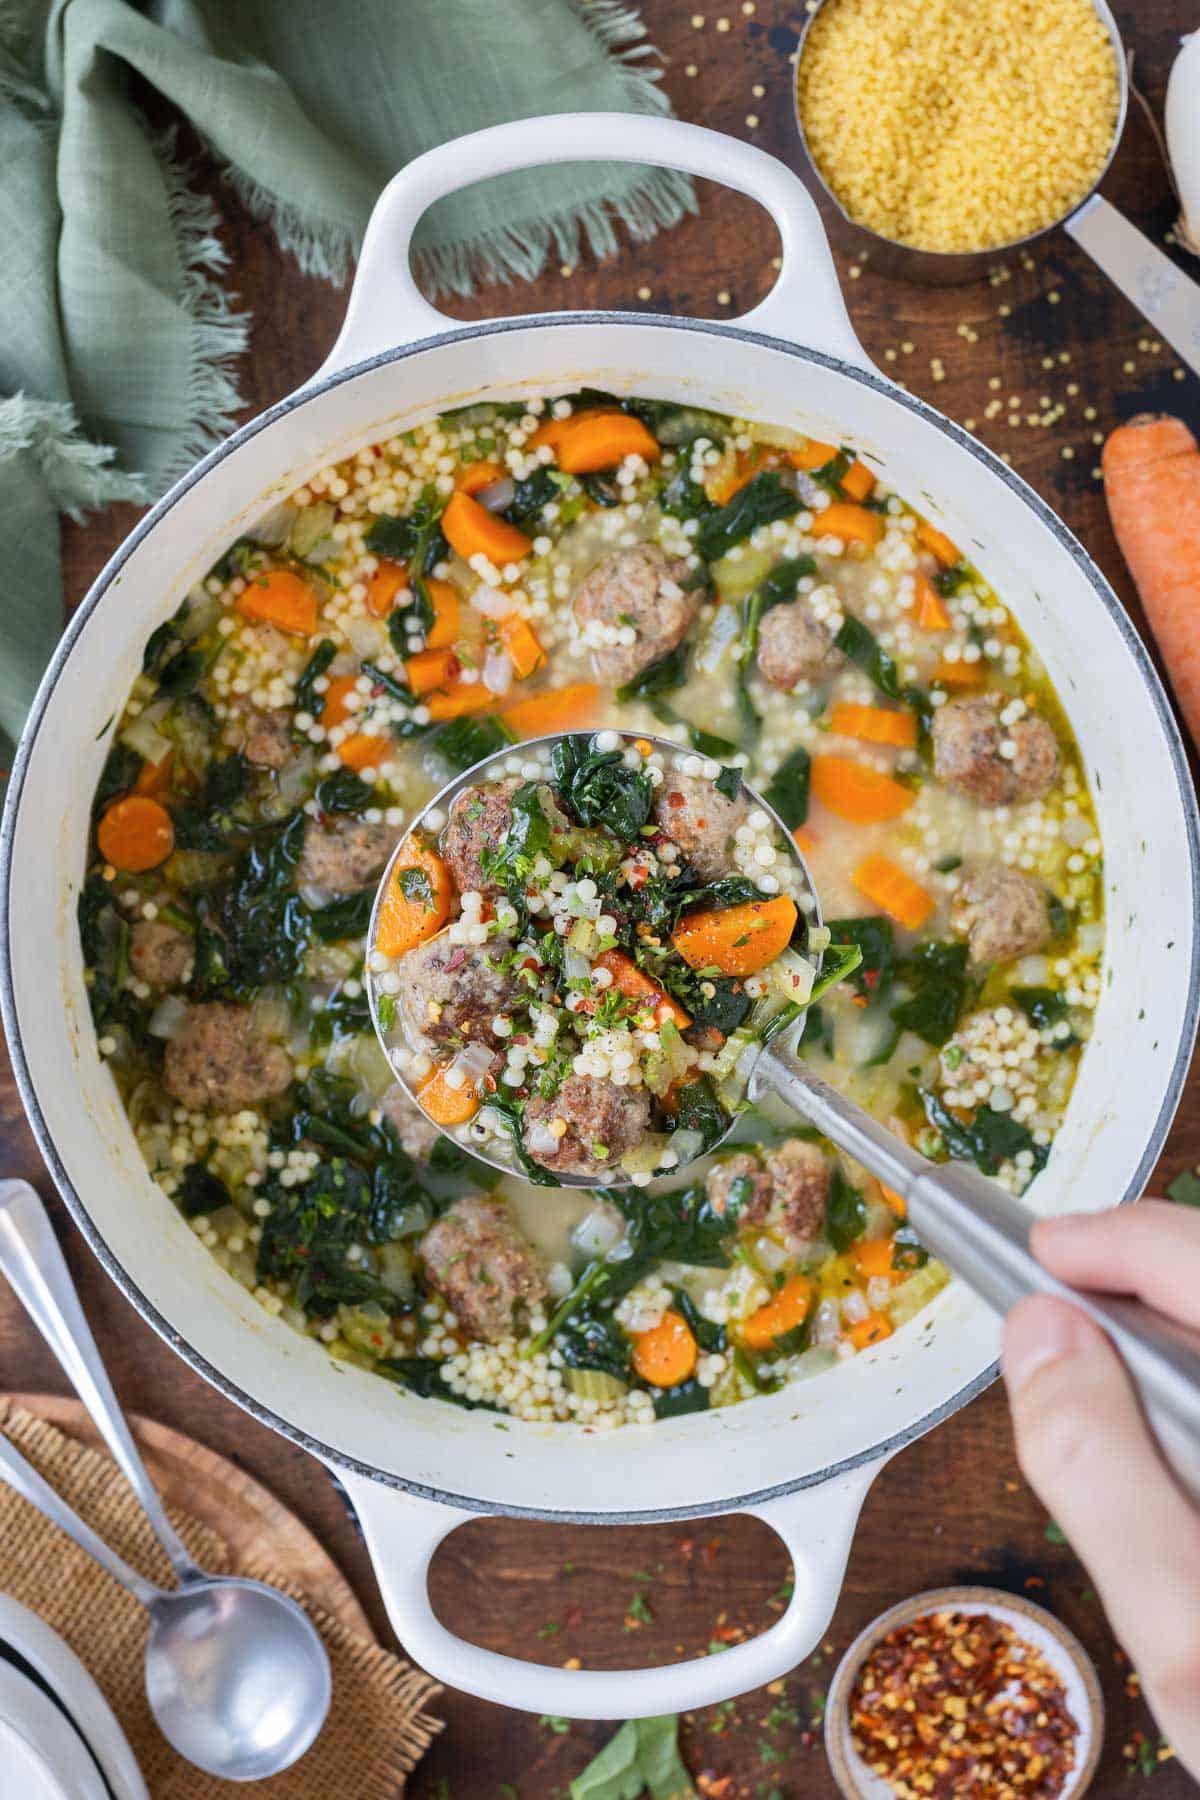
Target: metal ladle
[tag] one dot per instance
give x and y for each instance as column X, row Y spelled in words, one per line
column 236, row 1674
column 968, row 1222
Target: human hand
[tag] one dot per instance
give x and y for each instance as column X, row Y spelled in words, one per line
column 1083, row 1443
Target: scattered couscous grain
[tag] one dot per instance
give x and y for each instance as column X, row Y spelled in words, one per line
column 958, row 125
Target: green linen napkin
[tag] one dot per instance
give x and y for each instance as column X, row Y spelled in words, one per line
column 118, row 342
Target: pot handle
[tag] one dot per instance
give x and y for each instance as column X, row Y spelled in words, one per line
column 817, row 1525
column 387, row 310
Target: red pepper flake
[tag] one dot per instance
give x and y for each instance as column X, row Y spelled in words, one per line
column 955, row 1706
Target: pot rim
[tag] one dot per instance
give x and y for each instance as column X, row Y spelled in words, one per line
column 282, row 409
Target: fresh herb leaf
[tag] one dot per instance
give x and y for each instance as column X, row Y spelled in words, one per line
column 729, row 783
column 528, row 837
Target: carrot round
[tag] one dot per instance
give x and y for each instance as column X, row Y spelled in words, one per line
column 813, row 454
column 736, row 940
column 1152, row 485
column 473, row 531
column 474, row 477
column 892, row 889
column 443, row 597
column 521, row 641
column 783, row 1312
column 570, row 708
column 667, row 1353
column 875, row 724
column 135, row 834
column 858, row 482
column 629, row 980
column 603, row 439
column 871, row 1330
column 929, row 610
column 853, row 524
column 430, row 669
column 281, row 599
column 856, row 792
column 447, row 1105
column 416, row 903
column 387, row 581
column 938, row 544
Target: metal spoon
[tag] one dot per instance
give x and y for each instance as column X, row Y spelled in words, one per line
column 968, row 1222
column 236, row 1673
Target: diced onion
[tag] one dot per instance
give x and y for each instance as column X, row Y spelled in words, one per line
column 491, row 602
column 497, row 671
column 826, row 1325
column 576, row 966
column 792, row 976
column 474, row 1060
column 499, row 495
column 142, row 734
column 274, row 526
column 539, row 1139
column 771, row 1255
column 687, row 1145
column 854, row 1307
column 1032, row 971
column 368, row 637
column 722, row 633
column 598, row 1232
column 167, row 1017
column 1091, row 939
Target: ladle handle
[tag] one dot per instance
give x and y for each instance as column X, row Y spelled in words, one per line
column 37, row 1272
column 982, row 1233
column 24, row 1478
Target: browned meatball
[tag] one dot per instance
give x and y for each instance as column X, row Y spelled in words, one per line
column 159, row 954
column 346, row 854
column 268, row 740
column 603, row 1124
column 1001, row 913
column 484, row 1269
column 479, row 820
column 701, row 821
column 219, row 1061
column 793, row 1198
column 742, row 1167
column 417, row 1133
column 794, row 647
column 450, row 993
column 991, row 763
column 643, row 588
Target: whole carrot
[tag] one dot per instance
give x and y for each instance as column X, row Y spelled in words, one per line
column 1152, row 484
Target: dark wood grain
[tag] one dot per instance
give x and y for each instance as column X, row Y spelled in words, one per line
column 952, row 1507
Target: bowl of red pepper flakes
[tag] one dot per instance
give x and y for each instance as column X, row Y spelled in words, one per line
column 965, row 1694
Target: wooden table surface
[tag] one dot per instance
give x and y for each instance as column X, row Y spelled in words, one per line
column 1041, row 361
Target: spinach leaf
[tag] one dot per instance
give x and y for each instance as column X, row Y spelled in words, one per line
column 420, row 1376
column 416, row 539
column 709, row 1335
column 528, row 837
column 760, row 502
column 604, row 488
column 342, row 1016
column 988, row 1139
column 683, row 498
column 678, row 1226
column 163, row 638
column 449, row 1158
column 727, row 1007
column 307, row 698
column 860, row 646
column 598, row 789
column 845, row 1212
column 832, row 473
column 122, row 767
column 787, row 790
column 511, row 1113
column 397, row 689
column 1044, row 1007
column 344, row 918
column 200, row 1191
column 949, row 581
column 876, row 938
column 698, row 1109
column 343, row 792
column 264, row 922
column 461, row 743
column 661, row 677
column 686, row 1397
column 181, row 672
column 530, row 496
column 707, row 743
column 908, row 1252
column 937, row 974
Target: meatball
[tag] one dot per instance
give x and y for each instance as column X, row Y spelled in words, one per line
column 267, row 742
column 701, row 821
column 1001, row 913
column 417, row 1133
column 450, row 993
column 793, row 1196
column 603, row 1124
column 743, row 1167
column 479, row 820
column 969, row 752
column 641, row 588
column 345, row 855
column 219, row 1061
column 484, row 1269
column 159, row 954
column 793, row 646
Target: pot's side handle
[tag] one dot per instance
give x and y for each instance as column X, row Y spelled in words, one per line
column 817, row 1525
column 387, row 309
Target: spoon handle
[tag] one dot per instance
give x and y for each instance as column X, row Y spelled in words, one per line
column 24, row 1478
column 982, row 1233
column 35, row 1268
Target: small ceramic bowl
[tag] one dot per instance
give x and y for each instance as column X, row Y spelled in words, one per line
column 1060, row 1647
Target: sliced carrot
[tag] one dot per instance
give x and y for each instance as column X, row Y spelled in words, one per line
column 443, row 597
column 334, row 710
column 629, row 980
column 473, row 531
column 806, row 840
column 447, row 1105
column 728, row 481
column 602, row 440
column 858, row 793
column 737, row 940
column 155, row 778
column 858, row 481
column 876, row 1257
column 520, row 640
column 571, row 708
column 474, row 477
column 667, row 1353
column 552, row 431
column 897, row 1202
column 281, row 599
column 875, row 724
column 959, row 674
column 813, row 455
column 136, row 834
column 364, row 750
column 387, row 581
column 892, row 889
column 430, row 669
column 1152, row 485
column 416, row 903
column 853, row 524
column 938, row 544
column 929, row 611
column 871, row 1330
column 783, row 1312
column 459, row 698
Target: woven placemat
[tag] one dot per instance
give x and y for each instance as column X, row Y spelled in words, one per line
column 378, row 1726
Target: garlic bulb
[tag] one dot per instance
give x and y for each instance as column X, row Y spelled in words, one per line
column 1183, row 140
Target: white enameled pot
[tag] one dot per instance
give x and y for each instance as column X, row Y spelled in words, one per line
column 803, row 1459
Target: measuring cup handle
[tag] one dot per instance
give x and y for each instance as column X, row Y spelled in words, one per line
column 1146, row 276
